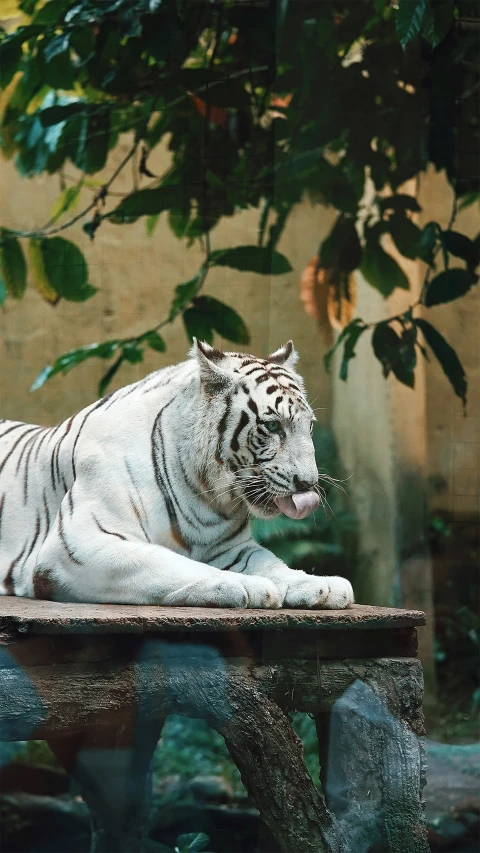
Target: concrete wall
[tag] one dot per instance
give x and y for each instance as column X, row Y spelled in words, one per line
column 136, row 276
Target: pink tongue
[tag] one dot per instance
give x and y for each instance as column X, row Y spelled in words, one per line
column 299, row 505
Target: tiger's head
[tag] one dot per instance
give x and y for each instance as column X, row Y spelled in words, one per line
column 260, row 429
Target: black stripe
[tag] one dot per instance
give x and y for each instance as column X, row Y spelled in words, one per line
column 278, row 400
column 253, row 406
column 272, row 388
column 97, row 406
column 46, row 435
column 135, row 508
column 254, row 369
column 35, row 536
column 10, row 429
column 237, row 558
column 56, row 450
column 108, row 532
column 221, row 428
column 30, row 445
column 9, row 587
column 138, row 516
column 163, row 486
column 241, row 425
column 14, row 446
column 64, row 539
column 47, row 514
column 2, row 507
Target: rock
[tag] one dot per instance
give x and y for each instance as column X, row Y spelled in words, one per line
column 43, row 824
column 18, row 776
column 452, row 796
column 213, row 789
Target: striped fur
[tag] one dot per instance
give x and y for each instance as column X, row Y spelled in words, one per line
column 144, row 497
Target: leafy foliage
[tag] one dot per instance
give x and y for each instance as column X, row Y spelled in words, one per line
column 235, row 90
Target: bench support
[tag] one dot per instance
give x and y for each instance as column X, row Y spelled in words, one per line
column 97, row 682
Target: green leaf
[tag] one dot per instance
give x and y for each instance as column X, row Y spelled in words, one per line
column 108, row 376
column 52, row 12
column 428, row 241
column 38, row 275
column 28, row 6
column 42, row 377
column 87, row 138
column 406, row 235
column 132, row 352
column 408, row 20
column 342, row 249
column 462, row 247
column 213, row 179
column 151, row 223
column 345, row 333
column 197, row 325
column 184, row 293
column 251, row 259
column 54, row 115
column 66, row 269
column 399, row 203
column 11, row 53
column 449, row 285
column 82, row 294
column 192, row 842
column 396, row 354
column 147, row 203
column 57, row 68
column 155, row 342
column 178, row 219
column 3, row 290
column 349, row 349
column 13, row 269
column 58, row 44
column 381, row 270
column 67, row 200
column 72, row 358
column 468, row 200
column 223, row 319
column 438, row 21
column 447, row 357
column 92, row 225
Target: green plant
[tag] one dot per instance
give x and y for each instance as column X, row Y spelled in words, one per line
column 192, row 748
column 261, row 104
column 190, row 843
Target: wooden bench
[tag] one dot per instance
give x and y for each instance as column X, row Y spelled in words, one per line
column 97, row 682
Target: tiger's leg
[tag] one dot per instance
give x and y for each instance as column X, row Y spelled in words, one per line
column 297, row 589
column 110, row 764
column 80, row 562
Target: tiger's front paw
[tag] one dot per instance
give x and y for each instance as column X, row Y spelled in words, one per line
column 310, row 592
column 262, row 593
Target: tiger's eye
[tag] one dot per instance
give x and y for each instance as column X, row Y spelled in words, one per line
column 273, row 426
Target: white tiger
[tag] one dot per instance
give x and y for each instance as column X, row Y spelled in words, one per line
column 144, row 497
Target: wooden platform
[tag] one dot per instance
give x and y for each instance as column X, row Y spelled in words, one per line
column 26, row 615
column 97, row 682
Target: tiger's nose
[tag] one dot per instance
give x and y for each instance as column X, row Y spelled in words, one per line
column 303, row 485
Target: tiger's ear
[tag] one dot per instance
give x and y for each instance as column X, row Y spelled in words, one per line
column 286, row 356
column 213, row 376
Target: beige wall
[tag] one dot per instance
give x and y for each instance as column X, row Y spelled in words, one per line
column 454, row 440
column 136, row 276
